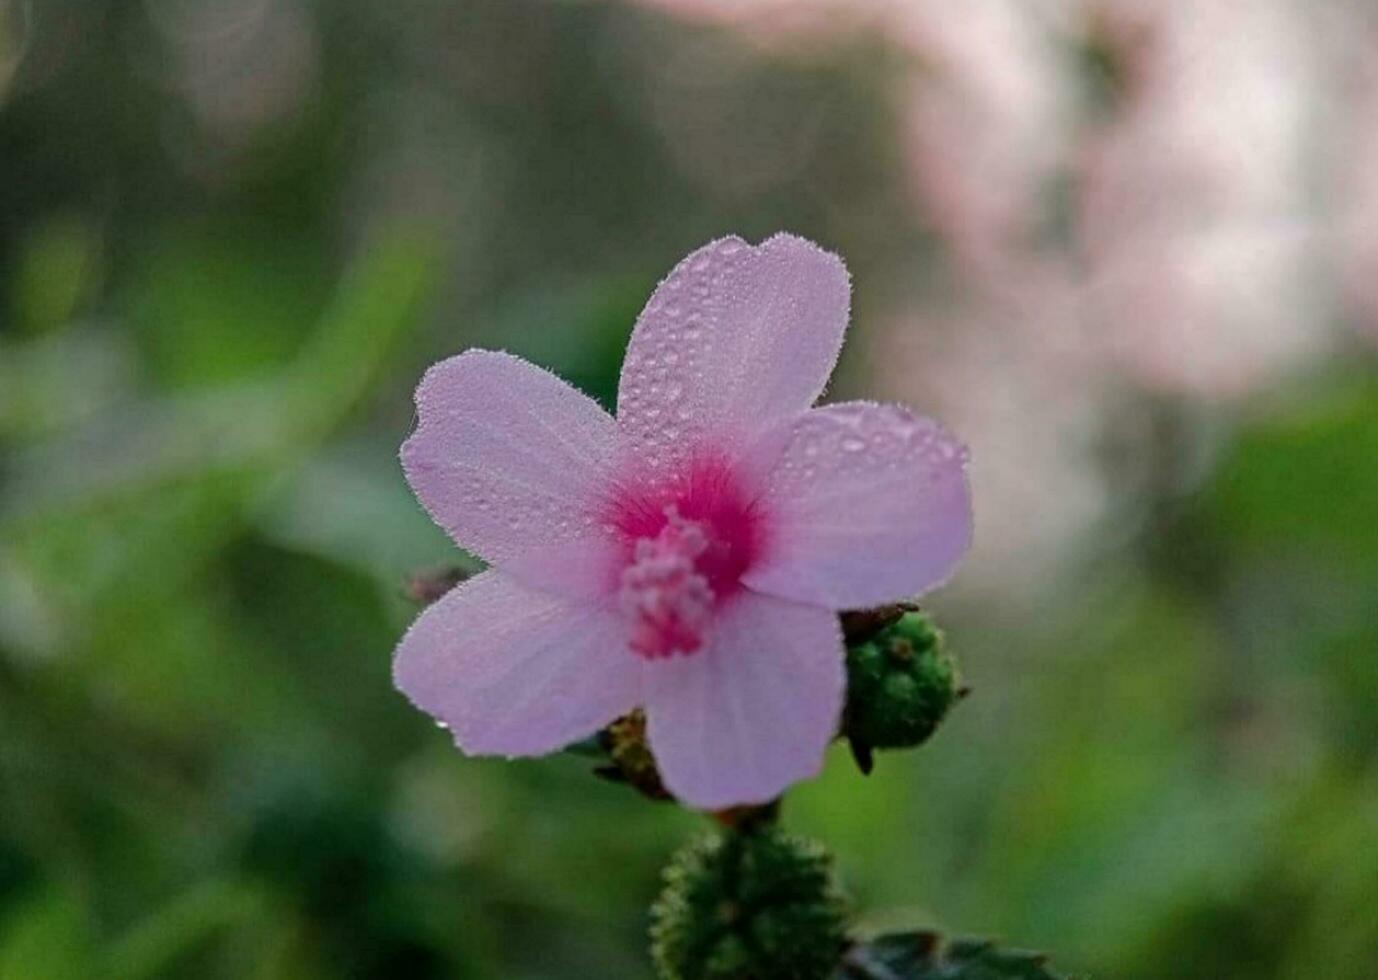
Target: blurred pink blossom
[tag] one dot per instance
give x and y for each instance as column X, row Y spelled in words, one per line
column 1191, row 220
column 985, row 121
column 690, row 555
column 1178, row 204
column 1357, row 179
column 776, row 23
column 981, row 97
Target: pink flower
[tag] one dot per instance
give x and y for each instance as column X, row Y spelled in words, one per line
column 689, row 556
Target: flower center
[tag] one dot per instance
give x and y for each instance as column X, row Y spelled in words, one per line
column 688, row 543
column 666, row 597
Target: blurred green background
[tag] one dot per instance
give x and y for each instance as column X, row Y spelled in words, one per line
column 233, row 233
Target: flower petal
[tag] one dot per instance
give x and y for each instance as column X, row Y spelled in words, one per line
column 735, row 338
column 742, row 719
column 506, row 456
column 512, row 671
column 868, row 504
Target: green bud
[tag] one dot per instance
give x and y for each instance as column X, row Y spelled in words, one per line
column 900, row 684
column 759, row 905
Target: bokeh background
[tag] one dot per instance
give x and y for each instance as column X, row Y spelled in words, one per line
column 1128, row 250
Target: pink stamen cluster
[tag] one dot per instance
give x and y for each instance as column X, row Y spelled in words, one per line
column 667, row 599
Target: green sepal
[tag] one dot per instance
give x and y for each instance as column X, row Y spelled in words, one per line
column 630, row 758
column 587, row 748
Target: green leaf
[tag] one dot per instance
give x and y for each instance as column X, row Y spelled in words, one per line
column 925, row 956
column 56, row 269
column 88, row 525
column 47, row 938
column 154, row 946
column 1304, row 482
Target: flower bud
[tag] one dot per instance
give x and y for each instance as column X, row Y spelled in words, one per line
column 762, row 905
column 900, row 684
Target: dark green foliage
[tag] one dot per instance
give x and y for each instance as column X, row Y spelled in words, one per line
column 17, row 871
column 347, row 878
column 762, row 905
column 900, row 685
column 924, row 956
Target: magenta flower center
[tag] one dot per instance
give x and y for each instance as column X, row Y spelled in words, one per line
column 687, row 542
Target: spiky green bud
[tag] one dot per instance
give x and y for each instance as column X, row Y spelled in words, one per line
column 900, row 684
column 758, row 905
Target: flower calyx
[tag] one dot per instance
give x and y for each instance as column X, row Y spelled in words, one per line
column 629, row 760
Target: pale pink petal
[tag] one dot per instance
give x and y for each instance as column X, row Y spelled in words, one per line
column 506, row 456
column 736, row 338
column 588, row 567
column 512, row 671
column 742, row 719
column 868, row 504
